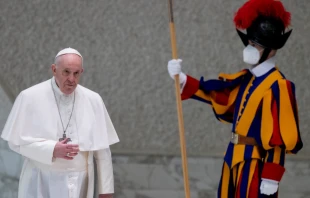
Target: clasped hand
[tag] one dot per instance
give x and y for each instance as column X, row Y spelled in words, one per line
column 65, row 151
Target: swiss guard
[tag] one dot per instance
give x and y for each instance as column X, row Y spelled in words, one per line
column 259, row 102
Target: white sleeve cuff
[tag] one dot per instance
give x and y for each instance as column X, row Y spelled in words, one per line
column 39, row 151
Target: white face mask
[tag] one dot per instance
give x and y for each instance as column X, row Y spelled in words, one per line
column 251, row 55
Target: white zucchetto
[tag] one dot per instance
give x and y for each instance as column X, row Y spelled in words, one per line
column 68, row 50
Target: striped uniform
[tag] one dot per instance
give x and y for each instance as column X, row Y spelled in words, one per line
column 261, row 107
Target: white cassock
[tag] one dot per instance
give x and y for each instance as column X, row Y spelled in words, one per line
column 33, row 129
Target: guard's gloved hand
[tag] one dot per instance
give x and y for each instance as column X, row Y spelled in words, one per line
column 174, row 68
column 268, row 186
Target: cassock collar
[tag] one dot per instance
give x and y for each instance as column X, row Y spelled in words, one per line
column 264, row 67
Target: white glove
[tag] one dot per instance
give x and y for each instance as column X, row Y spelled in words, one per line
column 174, row 68
column 268, row 186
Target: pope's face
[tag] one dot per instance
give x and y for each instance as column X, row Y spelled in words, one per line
column 67, row 72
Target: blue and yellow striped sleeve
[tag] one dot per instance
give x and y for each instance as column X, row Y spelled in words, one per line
column 280, row 125
column 220, row 94
column 280, row 129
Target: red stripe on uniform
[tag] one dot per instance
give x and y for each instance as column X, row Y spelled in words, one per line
column 290, row 92
column 239, row 185
column 254, row 186
column 276, row 139
column 222, row 97
column 191, row 87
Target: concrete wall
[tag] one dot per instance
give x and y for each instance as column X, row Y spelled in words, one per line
column 158, row 176
column 126, row 47
column 10, row 162
column 145, row 176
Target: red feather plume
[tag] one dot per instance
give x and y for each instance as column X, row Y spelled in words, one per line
column 253, row 8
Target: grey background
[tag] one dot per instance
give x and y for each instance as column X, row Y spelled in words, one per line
column 126, row 46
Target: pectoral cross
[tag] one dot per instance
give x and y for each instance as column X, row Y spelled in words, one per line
column 64, row 137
